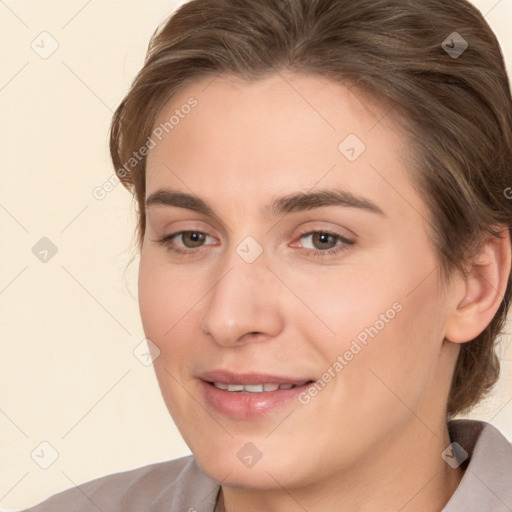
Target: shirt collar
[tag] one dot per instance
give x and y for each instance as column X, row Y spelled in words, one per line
column 486, row 484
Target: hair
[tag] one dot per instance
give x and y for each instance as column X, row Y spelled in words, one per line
column 456, row 110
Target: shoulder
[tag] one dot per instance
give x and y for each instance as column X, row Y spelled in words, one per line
column 485, row 454
column 177, row 485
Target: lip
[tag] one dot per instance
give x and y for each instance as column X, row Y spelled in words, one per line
column 227, row 377
column 244, row 404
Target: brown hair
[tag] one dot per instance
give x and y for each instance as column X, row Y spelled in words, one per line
column 457, row 109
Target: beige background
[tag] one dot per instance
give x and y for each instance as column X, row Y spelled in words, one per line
column 69, row 326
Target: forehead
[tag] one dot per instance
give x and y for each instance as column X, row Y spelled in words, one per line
column 279, row 134
column 285, row 106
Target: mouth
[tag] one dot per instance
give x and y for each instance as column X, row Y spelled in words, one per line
column 257, row 388
column 247, row 396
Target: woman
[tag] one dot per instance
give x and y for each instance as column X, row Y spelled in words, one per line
column 324, row 231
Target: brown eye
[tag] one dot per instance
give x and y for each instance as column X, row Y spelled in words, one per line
column 324, row 243
column 192, row 239
column 186, row 242
column 323, row 240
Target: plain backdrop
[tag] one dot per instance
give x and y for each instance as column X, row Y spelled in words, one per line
column 77, row 399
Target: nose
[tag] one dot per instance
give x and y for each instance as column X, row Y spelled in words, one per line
column 244, row 304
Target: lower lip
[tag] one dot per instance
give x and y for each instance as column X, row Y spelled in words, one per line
column 244, row 404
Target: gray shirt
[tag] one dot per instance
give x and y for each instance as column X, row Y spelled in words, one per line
column 180, row 486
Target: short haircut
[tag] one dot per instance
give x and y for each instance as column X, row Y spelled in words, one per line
column 453, row 104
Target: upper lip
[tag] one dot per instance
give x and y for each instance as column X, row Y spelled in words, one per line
column 227, row 377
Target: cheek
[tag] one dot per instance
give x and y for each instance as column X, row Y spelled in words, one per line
column 166, row 299
column 386, row 324
column 393, row 372
column 153, row 297
column 166, row 303
column 338, row 305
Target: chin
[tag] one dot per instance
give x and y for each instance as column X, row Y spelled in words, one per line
column 236, row 475
column 237, row 464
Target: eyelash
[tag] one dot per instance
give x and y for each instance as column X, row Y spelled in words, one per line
column 167, row 243
column 337, row 249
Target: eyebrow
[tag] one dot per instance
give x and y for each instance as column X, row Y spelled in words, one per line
column 290, row 203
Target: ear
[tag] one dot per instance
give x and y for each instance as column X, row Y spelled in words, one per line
column 480, row 292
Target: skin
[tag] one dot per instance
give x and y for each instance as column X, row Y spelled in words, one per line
column 372, row 439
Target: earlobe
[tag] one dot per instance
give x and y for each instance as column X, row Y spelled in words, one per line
column 481, row 290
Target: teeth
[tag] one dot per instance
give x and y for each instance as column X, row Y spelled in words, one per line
column 255, row 388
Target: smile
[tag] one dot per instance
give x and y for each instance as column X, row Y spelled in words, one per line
column 255, row 388
column 249, row 396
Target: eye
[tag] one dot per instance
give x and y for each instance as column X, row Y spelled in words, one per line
column 321, row 240
column 190, row 240
column 323, row 243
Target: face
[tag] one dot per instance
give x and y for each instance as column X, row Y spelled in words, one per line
column 302, row 258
